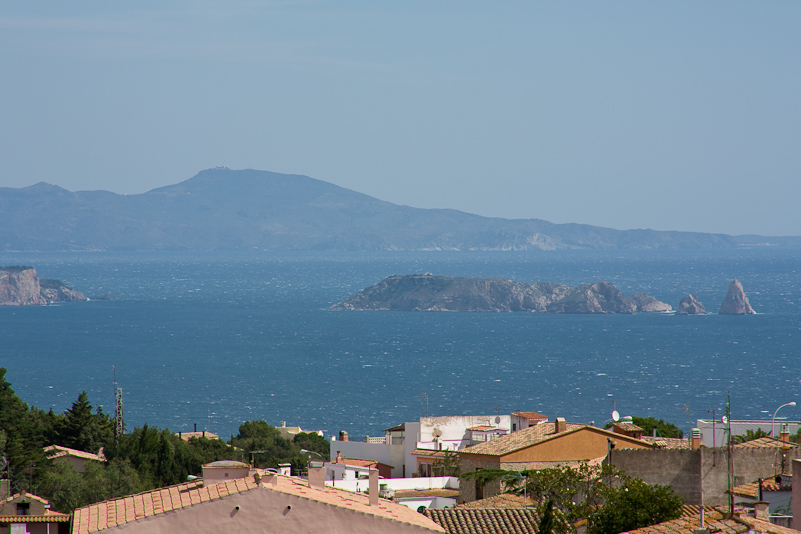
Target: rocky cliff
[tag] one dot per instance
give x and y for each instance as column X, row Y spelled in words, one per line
column 20, row 286
column 736, row 303
column 426, row 292
column 690, row 305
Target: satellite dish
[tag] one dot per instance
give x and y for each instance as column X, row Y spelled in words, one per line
column 724, row 419
column 615, row 416
column 497, row 420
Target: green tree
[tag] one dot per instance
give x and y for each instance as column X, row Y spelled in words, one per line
column 546, row 522
column 603, row 495
column 648, row 424
column 447, row 466
column 634, row 505
column 83, row 430
column 750, row 435
column 313, row 442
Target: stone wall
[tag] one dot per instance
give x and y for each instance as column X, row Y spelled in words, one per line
column 684, row 470
column 467, row 488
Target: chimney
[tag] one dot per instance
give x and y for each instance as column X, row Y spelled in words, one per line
column 285, row 469
column 560, row 425
column 761, row 510
column 317, row 475
column 283, row 424
column 795, row 502
column 696, row 439
column 343, row 435
column 339, row 458
column 195, row 427
column 373, row 487
column 785, row 433
column 204, row 433
column 5, row 489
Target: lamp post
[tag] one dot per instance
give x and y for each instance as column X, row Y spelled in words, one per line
column 773, row 421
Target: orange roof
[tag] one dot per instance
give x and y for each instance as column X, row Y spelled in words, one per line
column 717, row 523
column 752, row 490
column 486, row 520
column 50, row 517
column 57, row 451
column 765, row 442
column 667, row 443
column 532, row 435
column 502, row 500
column 531, row 416
column 26, row 495
column 186, row 436
column 100, row 516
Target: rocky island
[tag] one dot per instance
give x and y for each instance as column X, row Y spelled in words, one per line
column 20, row 286
column 736, row 303
column 690, row 305
column 426, row 292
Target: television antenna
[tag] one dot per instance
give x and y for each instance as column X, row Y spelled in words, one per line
column 119, row 422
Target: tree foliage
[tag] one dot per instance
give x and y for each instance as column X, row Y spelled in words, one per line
column 750, row 435
column 603, row 495
column 648, row 424
column 634, row 505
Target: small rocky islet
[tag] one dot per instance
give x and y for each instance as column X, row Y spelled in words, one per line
column 427, row 292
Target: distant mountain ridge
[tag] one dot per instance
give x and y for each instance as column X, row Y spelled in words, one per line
column 224, row 209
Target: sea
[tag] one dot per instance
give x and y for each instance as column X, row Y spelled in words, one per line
column 210, row 340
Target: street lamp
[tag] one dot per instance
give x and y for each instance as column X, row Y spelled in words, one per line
column 773, row 421
column 307, row 451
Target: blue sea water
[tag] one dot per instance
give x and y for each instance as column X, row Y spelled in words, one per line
column 220, row 339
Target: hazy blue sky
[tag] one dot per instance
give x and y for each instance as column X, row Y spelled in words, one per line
column 669, row 115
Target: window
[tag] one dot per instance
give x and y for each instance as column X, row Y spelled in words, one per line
column 23, row 508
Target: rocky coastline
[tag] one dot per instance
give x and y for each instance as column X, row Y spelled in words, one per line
column 21, row 286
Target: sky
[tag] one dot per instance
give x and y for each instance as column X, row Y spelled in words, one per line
column 664, row 115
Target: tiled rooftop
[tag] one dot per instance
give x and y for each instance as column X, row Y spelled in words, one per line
column 520, row 439
column 530, row 436
column 765, row 442
column 531, row 416
column 441, row 492
column 57, row 451
column 751, row 490
column 186, row 436
column 49, row 517
column 716, row 523
column 667, row 443
column 627, row 426
column 430, row 453
column 502, row 500
column 486, row 520
column 107, row 514
column 27, row 496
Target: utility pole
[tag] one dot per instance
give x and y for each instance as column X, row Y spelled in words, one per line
column 730, row 458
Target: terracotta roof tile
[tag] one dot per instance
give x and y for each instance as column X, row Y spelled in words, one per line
column 502, row 500
column 531, row 415
column 485, row 520
column 47, row 518
column 764, row 442
column 57, row 451
column 127, row 509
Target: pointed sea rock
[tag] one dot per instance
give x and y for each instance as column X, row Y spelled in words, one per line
column 690, row 305
column 736, row 303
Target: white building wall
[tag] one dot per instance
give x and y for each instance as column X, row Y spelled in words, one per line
column 380, row 452
column 738, row 428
